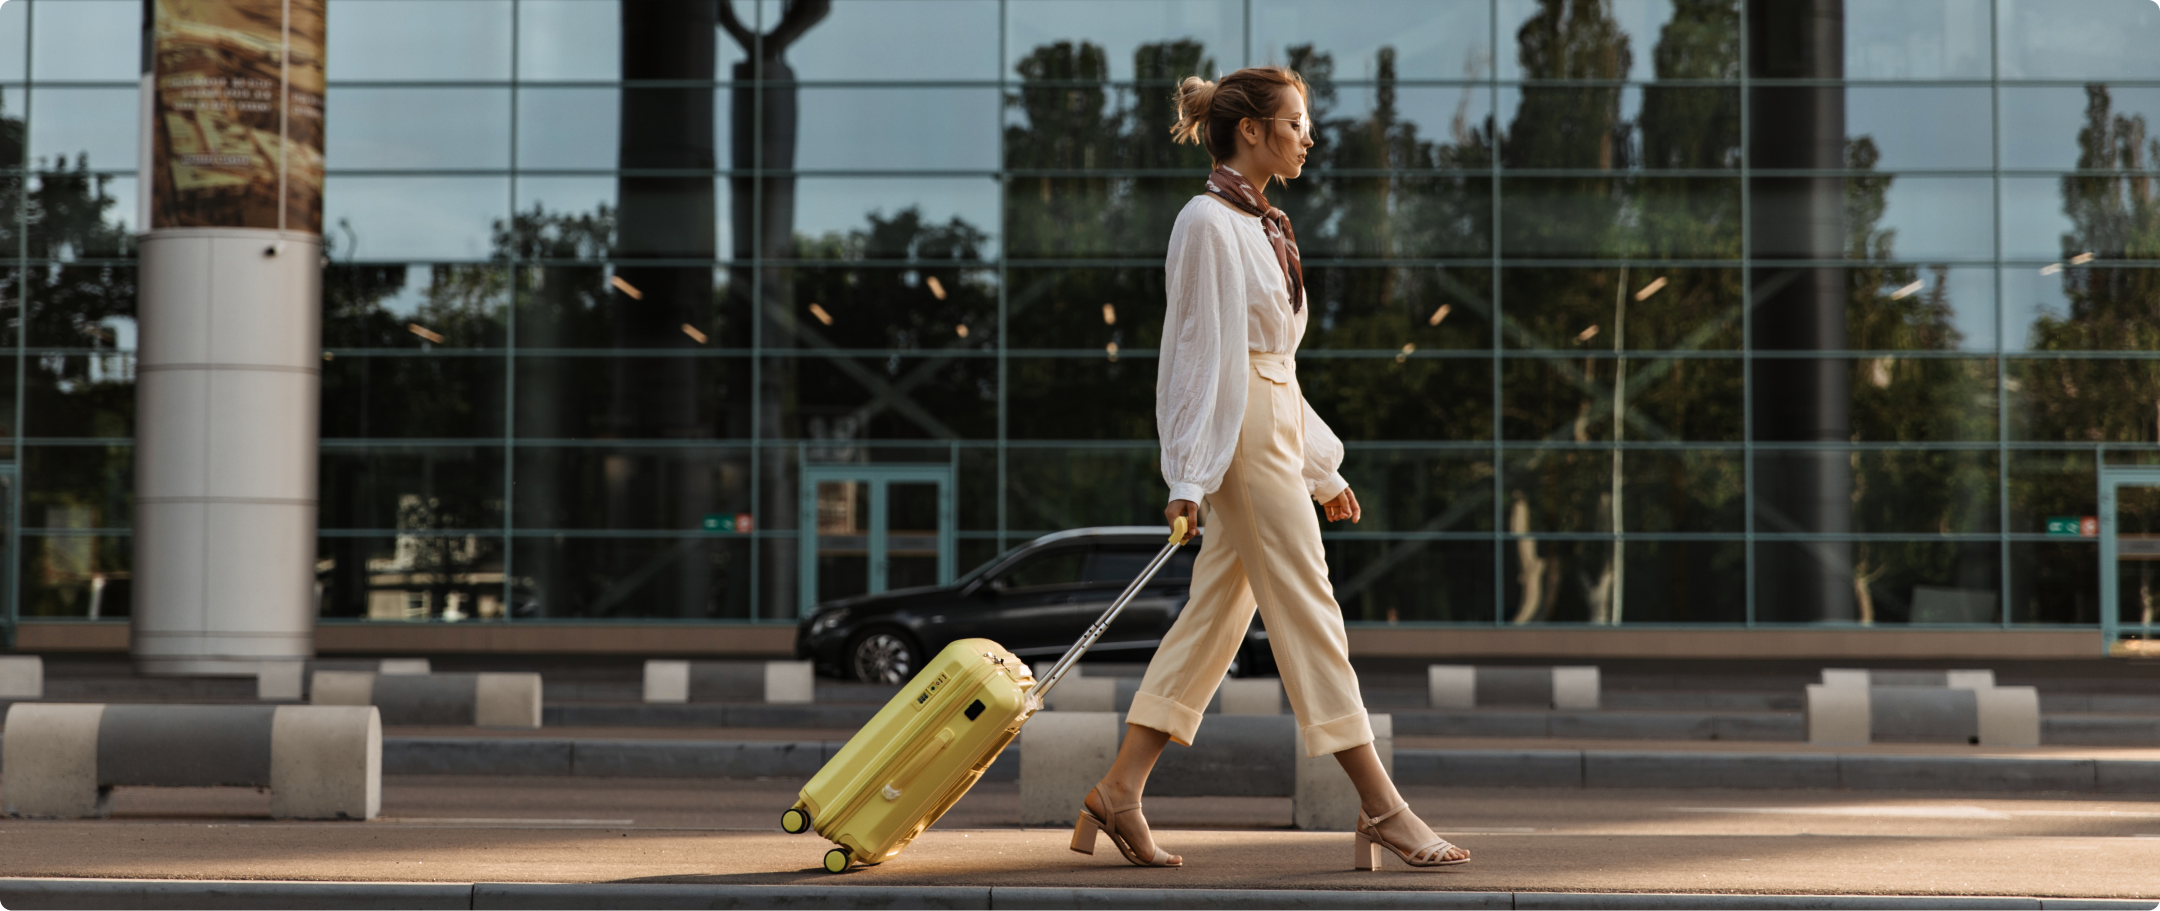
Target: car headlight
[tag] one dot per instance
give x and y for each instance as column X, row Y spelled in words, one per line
column 828, row 620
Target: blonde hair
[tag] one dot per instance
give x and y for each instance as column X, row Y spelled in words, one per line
column 1209, row 112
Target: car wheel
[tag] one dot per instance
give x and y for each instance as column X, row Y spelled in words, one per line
column 884, row 656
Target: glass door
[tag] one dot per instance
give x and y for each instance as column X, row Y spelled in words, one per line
column 2129, row 554
column 874, row 528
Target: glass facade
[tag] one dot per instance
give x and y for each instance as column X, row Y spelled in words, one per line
column 1631, row 311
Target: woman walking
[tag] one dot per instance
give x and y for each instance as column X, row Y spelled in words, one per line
column 1242, row 451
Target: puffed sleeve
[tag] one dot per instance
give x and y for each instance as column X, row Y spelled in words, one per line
column 1199, row 379
column 1323, row 457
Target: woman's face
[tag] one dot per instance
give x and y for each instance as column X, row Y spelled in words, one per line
column 1287, row 137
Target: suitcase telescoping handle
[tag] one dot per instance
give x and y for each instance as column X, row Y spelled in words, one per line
column 1036, row 698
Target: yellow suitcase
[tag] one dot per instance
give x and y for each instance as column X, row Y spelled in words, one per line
column 927, row 746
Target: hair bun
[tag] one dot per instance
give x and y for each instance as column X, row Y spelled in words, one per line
column 1195, row 98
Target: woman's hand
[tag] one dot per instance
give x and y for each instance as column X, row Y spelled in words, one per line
column 1186, row 508
column 1344, row 506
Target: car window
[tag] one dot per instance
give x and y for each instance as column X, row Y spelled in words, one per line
column 1123, row 563
column 1056, row 567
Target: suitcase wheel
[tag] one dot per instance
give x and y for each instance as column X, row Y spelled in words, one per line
column 795, row 821
column 837, row 860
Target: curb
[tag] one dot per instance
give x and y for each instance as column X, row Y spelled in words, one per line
column 22, row 894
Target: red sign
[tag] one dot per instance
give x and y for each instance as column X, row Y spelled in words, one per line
column 2089, row 526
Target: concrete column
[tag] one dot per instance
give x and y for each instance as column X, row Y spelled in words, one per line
column 228, row 371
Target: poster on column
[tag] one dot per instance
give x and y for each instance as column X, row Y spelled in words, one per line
column 237, row 119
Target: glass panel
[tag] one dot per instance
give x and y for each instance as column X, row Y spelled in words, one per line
column 572, row 218
column 87, row 576
column 1399, row 398
column 1565, row 490
column 1087, row 308
column 883, row 307
column 14, row 41
column 98, row 126
column 1413, row 581
column 2083, row 400
column 848, row 398
column 843, row 539
column 79, row 395
column 1916, row 399
column 1408, row 216
column 2137, row 555
column 2034, row 225
column 418, row 306
column 1634, row 217
column 1432, row 308
column 1916, row 39
column 413, row 218
column 1124, row 31
column 570, row 128
column 1932, row 582
column 831, row 211
column 378, row 40
column 686, row 397
column 1048, row 488
column 1924, row 491
column 907, row 39
column 87, row 40
column 1074, row 218
column 1660, row 582
column 2053, row 582
column 2080, row 309
column 442, row 395
column 1927, row 308
column 412, row 487
column 1643, row 127
column 1658, row 309
column 1425, row 39
column 572, row 39
column 417, row 576
column 1625, row 39
column 911, row 535
column 577, row 305
column 2044, row 484
column 1387, row 126
column 1929, row 218
column 1666, row 400
column 1420, row 490
column 78, row 487
column 1933, row 127
column 86, row 307
column 2043, row 123
column 698, row 578
column 629, row 487
column 2067, row 39
column 418, row 128
column 82, row 215
column 937, row 129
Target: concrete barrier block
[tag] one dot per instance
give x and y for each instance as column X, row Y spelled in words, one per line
column 1922, row 714
column 1708, row 770
column 1231, row 756
column 1970, row 679
column 1260, row 696
column 790, row 681
column 342, row 688
column 727, row 681
column 281, row 681
column 326, row 762
column 1837, row 712
column 185, row 746
column 1324, row 800
column 1845, row 677
column 1451, row 686
column 2009, row 716
column 1062, row 755
column 405, row 666
column 507, row 701
column 48, row 761
column 667, row 681
column 1084, row 695
column 1527, row 687
column 1575, row 689
column 22, row 677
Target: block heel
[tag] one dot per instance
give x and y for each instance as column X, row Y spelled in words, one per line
column 1084, row 832
column 1366, row 854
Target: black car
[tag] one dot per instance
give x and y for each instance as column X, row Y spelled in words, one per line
column 1035, row 600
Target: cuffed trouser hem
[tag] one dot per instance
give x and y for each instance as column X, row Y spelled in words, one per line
column 1170, row 717
column 1337, row 735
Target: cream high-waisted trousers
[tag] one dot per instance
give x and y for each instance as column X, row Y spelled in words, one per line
column 1261, row 548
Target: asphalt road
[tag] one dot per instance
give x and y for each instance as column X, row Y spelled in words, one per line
column 702, row 831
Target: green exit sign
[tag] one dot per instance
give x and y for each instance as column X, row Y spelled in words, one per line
column 720, row 523
column 2074, row 526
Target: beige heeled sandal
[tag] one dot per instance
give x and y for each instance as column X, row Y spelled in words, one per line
column 1085, row 829
column 1370, row 841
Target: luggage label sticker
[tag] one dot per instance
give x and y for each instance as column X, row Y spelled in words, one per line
column 923, row 698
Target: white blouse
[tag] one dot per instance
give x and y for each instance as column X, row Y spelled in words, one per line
column 1227, row 297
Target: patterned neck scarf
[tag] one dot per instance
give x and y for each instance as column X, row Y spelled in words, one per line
column 1232, row 187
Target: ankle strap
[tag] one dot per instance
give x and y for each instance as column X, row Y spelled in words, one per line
column 1376, row 820
column 1095, row 791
